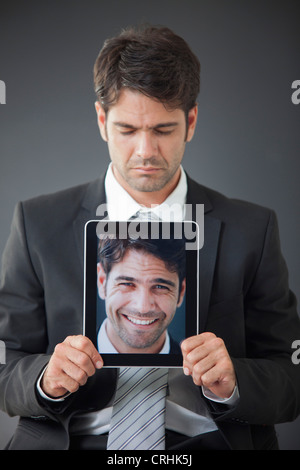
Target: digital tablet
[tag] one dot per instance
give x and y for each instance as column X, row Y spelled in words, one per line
column 141, row 290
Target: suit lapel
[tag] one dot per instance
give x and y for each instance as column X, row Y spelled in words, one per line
column 207, row 261
column 208, row 254
column 93, row 196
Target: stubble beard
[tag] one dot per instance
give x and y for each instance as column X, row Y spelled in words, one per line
column 139, row 339
column 149, row 183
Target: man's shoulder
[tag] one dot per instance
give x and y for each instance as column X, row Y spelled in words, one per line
column 66, row 199
column 223, row 206
column 56, row 212
column 64, row 194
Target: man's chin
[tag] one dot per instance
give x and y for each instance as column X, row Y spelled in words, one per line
column 146, row 186
column 140, row 345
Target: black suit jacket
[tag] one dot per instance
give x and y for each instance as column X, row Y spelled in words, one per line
column 245, row 299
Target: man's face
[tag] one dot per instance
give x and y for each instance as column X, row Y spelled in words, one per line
column 146, row 143
column 141, row 297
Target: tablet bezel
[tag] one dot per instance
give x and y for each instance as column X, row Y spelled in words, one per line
column 91, row 293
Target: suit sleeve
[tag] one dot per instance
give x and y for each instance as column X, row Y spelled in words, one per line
column 22, row 325
column 268, row 381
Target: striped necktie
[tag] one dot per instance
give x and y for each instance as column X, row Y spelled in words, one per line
column 145, row 215
column 138, row 417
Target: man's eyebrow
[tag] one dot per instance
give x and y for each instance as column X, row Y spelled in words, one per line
column 161, row 125
column 125, row 278
column 158, row 280
column 161, row 280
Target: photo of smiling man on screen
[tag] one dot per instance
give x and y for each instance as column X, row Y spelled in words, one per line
column 142, row 282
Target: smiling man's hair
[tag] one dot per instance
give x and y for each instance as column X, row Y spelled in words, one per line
column 111, row 250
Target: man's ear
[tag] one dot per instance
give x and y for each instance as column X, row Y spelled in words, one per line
column 181, row 293
column 101, row 120
column 101, row 281
column 192, row 121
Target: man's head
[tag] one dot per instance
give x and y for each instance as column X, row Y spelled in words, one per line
column 147, row 83
column 153, row 61
column 142, row 283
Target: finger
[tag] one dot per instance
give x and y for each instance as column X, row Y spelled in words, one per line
column 195, row 341
column 211, row 377
column 80, row 360
column 193, row 351
column 76, row 373
column 66, row 382
column 199, row 367
column 85, row 345
column 198, row 361
column 56, row 382
column 220, row 380
column 213, row 347
column 72, row 359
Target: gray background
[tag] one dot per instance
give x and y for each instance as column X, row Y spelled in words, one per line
column 247, row 143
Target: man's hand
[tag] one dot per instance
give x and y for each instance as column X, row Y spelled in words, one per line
column 206, row 359
column 73, row 361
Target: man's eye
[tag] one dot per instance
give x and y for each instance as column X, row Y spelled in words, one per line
column 127, row 132
column 161, row 287
column 161, row 132
column 156, row 131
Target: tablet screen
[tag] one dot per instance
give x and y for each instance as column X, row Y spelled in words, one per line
column 141, row 290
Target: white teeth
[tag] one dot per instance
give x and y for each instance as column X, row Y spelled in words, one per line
column 141, row 322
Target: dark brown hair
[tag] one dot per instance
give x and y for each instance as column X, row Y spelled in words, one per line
column 151, row 60
column 170, row 251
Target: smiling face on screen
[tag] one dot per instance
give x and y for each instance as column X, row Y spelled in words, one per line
column 141, row 297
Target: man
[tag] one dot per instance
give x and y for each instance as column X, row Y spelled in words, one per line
column 238, row 378
column 143, row 284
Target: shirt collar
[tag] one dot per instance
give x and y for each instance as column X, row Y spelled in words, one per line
column 121, row 206
column 106, row 347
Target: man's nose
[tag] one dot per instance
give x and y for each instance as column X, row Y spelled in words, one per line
column 144, row 301
column 146, row 145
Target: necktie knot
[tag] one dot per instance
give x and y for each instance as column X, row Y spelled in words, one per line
column 143, row 215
